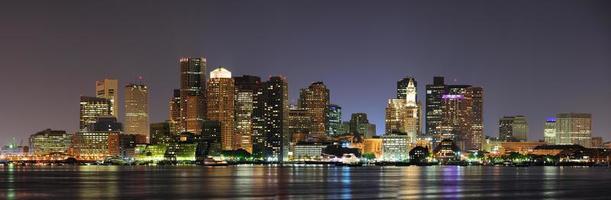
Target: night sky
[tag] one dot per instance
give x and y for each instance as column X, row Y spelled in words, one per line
column 534, row 58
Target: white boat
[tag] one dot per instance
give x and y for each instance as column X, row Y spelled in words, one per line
column 350, row 159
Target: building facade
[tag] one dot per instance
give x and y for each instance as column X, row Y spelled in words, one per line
column 192, row 94
column 434, row 106
column 220, row 105
column 50, row 141
column 334, row 120
column 315, row 99
column 95, row 145
column 91, row 108
column 462, row 117
column 109, row 89
column 513, row 128
column 549, row 131
column 276, row 116
column 136, row 110
column 395, row 147
column 574, row 128
column 175, row 112
column 247, row 111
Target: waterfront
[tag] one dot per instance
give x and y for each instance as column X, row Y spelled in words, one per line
column 266, row 182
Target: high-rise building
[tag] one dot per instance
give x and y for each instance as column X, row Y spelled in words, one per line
column 220, row 104
column 434, row 105
column 513, row 128
column 300, row 124
column 403, row 113
column 360, row 126
column 406, row 89
column 247, row 111
column 276, row 116
column 462, row 117
column 549, row 131
column 574, row 128
column 192, row 94
column 211, row 137
column 174, row 113
column 91, row 108
column 50, row 141
column 109, row 89
column 315, row 99
column 136, row 110
column 401, row 118
column 475, row 137
column 160, row 133
column 334, row 120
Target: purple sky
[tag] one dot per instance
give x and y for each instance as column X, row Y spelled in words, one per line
column 535, row 58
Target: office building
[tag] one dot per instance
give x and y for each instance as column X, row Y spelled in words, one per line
column 434, row 106
column 211, row 138
column 91, row 108
column 549, row 131
column 109, row 89
column 95, row 145
column 192, row 94
column 174, row 117
column 300, row 124
column 247, row 112
column 315, row 99
column 574, row 128
column 334, row 120
column 360, row 126
column 49, row 142
column 160, row 133
column 276, row 116
column 136, row 110
column 220, row 104
column 462, row 117
column 513, row 128
column 395, row 147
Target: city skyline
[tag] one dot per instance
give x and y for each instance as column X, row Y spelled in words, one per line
column 365, row 87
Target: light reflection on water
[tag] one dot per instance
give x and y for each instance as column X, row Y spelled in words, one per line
column 311, row 182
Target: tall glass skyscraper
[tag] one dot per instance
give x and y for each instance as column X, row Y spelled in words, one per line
column 192, row 94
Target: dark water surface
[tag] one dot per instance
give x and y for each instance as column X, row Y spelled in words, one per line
column 270, row 182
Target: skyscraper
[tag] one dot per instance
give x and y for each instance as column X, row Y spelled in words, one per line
column 136, row 110
column 91, row 108
column 406, row 89
column 475, row 137
column 334, row 119
column 174, row 113
column 315, row 99
column 434, row 109
column 220, row 105
column 513, row 128
column 247, row 110
column 108, row 89
column 360, row 126
column 462, row 116
column 574, row 128
column 403, row 113
column 276, row 117
column 300, row 124
column 549, row 131
column 192, row 94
